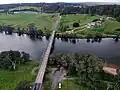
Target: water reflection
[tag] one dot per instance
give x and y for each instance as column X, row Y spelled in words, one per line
column 116, row 40
column 108, row 49
column 33, row 46
column 74, row 41
column 104, row 48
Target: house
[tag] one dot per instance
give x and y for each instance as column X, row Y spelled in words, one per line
column 111, row 69
column 91, row 24
column 94, row 24
column 101, row 19
column 110, row 18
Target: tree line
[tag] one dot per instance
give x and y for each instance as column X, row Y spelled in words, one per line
column 70, row 8
column 30, row 9
column 109, row 10
column 32, row 30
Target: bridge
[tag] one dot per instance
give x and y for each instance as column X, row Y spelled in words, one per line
column 43, row 65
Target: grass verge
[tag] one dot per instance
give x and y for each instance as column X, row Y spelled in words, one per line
column 9, row 79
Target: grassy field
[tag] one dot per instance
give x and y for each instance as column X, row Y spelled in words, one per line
column 71, row 85
column 81, row 18
column 111, row 26
column 108, row 28
column 41, row 21
column 9, row 79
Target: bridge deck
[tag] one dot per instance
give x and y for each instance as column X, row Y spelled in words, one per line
column 41, row 72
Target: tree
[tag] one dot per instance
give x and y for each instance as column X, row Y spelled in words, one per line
column 84, row 66
column 75, row 24
column 118, row 19
column 8, row 29
column 32, row 29
column 25, row 57
column 9, row 59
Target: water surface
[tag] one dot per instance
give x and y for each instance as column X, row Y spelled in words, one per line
column 107, row 49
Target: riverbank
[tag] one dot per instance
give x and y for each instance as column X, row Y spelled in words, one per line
column 10, row 79
column 82, row 36
column 42, row 22
column 107, row 48
column 86, row 25
column 66, row 36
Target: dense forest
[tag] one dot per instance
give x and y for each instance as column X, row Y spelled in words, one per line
column 87, row 69
column 109, row 10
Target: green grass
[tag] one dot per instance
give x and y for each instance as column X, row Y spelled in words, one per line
column 81, row 18
column 66, row 85
column 108, row 28
column 9, row 79
column 22, row 20
column 47, row 84
column 71, row 85
column 111, row 26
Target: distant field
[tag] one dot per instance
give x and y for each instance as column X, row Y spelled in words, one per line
column 9, row 79
column 41, row 21
column 108, row 28
column 25, row 7
column 81, row 18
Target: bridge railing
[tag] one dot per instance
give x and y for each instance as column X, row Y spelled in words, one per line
column 44, row 58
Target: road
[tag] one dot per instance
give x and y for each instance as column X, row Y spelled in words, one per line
column 43, row 65
column 57, row 78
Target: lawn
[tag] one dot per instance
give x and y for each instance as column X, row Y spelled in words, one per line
column 9, row 79
column 107, row 28
column 22, row 20
column 111, row 26
column 81, row 18
column 71, row 85
column 66, row 85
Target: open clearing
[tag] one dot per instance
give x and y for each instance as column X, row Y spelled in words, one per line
column 108, row 27
column 81, row 18
column 9, row 79
column 41, row 21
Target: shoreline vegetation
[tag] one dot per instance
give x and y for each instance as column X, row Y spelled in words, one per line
column 30, row 24
column 88, row 26
column 70, row 26
column 23, row 75
column 16, row 70
column 87, row 68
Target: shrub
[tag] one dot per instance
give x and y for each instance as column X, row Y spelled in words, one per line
column 23, row 85
column 75, row 24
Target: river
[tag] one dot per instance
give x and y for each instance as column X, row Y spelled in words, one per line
column 107, row 49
